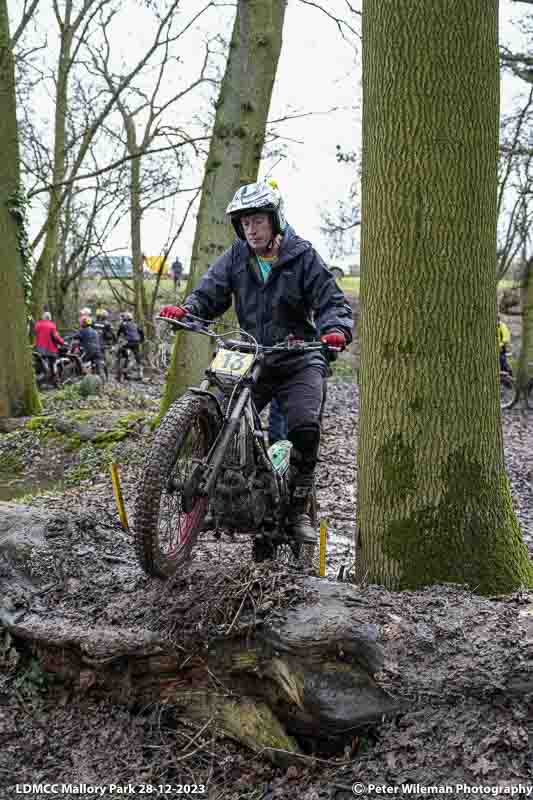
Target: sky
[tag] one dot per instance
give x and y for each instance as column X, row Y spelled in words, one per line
column 319, row 76
column 319, row 71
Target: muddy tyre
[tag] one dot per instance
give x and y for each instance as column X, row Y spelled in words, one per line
column 508, row 391
column 164, row 532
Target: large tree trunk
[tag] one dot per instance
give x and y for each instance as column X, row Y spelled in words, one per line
column 234, row 156
column 49, row 250
column 18, row 392
column 526, row 346
column 434, row 501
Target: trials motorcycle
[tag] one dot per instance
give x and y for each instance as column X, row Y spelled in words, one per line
column 209, row 467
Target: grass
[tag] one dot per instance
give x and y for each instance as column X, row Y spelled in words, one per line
column 97, row 292
column 350, row 284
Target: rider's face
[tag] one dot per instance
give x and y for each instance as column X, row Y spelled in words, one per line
column 258, row 231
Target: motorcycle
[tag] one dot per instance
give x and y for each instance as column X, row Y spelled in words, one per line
column 209, row 466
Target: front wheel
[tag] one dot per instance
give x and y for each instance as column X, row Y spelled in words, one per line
column 508, row 391
column 164, row 532
column 529, row 394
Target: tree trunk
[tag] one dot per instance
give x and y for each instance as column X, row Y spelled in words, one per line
column 48, row 253
column 526, row 345
column 18, row 392
column 234, row 157
column 135, row 221
column 434, row 502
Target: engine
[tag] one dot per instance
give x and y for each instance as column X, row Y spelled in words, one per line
column 240, row 500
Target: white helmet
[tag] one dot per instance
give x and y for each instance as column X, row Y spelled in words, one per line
column 256, row 198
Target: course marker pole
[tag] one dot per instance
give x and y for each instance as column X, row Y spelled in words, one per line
column 322, row 548
column 118, row 497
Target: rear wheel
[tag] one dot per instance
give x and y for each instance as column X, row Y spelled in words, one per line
column 508, row 392
column 122, row 365
column 301, row 554
column 529, row 394
column 165, row 533
column 68, row 370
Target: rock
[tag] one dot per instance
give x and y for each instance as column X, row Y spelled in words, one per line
column 90, row 384
column 10, row 424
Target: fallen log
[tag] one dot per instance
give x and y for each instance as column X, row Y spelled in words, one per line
column 303, row 671
column 283, row 662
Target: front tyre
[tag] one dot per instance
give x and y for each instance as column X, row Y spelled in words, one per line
column 164, row 532
column 508, row 391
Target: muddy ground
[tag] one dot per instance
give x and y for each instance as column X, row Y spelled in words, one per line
column 460, row 666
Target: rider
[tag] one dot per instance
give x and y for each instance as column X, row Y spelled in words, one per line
column 85, row 312
column 281, row 288
column 504, row 344
column 90, row 343
column 134, row 336
column 47, row 340
column 105, row 329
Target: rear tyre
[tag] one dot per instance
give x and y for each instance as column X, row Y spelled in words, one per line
column 508, row 391
column 301, row 554
column 529, row 394
column 164, row 532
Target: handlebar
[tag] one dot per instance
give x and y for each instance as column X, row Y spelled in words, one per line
column 198, row 325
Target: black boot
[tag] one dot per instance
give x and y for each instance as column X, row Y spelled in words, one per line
column 298, row 520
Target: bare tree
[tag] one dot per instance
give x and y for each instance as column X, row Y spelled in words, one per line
column 18, row 392
column 234, row 156
column 75, row 27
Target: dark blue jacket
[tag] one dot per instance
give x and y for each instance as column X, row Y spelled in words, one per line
column 299, row 297
column 89, row 341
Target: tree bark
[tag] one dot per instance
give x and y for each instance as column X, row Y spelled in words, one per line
column 233, row 160
column 526, row 346
column 18, row 392
column 48, row 254
column 434, row 502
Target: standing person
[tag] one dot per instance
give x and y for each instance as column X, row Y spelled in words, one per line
column 132, row 336
column 47, row 340
column 281, row 288
column 90, row 344
column 504, row 344
column 176, row 270
column 106, row 332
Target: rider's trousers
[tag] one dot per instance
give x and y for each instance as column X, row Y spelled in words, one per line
column 300, row 394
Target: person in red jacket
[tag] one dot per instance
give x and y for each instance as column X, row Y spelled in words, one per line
column 47, row 340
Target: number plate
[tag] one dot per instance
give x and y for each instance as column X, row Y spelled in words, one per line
column 230, row 362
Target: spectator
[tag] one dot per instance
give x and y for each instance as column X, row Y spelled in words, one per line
column 176, row 271
column 504, row 345
column 47, row 340
column 90, row 344
column 133, row 336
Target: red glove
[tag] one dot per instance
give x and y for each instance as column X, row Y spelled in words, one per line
column 336, row 341
column 173, row 312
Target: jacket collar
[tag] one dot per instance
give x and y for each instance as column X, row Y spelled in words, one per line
column 291, row 247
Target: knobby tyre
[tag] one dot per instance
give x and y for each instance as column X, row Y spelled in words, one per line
column 301, row 554
column 508, row 391
column 164, row 533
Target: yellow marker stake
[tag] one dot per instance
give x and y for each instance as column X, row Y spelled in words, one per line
column 118, row 497
column 322, row 550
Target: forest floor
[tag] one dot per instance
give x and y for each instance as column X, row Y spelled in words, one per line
column 449, row 652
